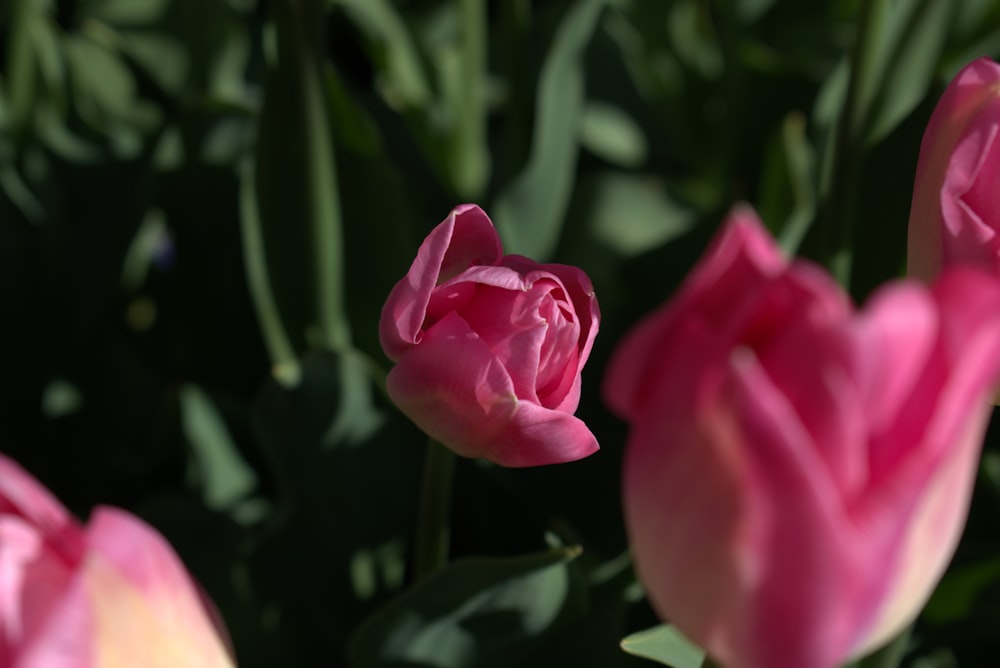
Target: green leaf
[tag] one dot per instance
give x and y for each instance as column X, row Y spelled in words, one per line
column 664, row 644
column 225, row 478
column 405, row 84
column 128, row 12
column 300, row 221
column 788, row 198
column 633, row 214
column 529, row 212
column 296, row 184
column 912, row 43
column 462, row 70
column 352, row 126
column 476, row 612
column 607, row 131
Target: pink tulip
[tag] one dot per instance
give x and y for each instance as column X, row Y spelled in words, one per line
column 108, row 594
column 797, row 472
column 955, row 214
column 489, row 347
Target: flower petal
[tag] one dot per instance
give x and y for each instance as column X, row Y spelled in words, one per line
column 456, row 390
column 465, row 238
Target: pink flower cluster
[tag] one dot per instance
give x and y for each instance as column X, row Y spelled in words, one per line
column 798, row 470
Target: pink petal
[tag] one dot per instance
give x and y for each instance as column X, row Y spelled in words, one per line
column 22, row 495
column 685, row 517
column 453, row 387
column 147, row 610
column 536, row 436
column 740, row 257
column 465, row 238
column 508, row 322
column 900, row 373
column 32, row 581
column 456, row 390
column 939, row 224
column 803, row 562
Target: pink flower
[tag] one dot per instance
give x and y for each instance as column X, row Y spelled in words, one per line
column 489, row 347
column 955, row 214
column 797, row 472
column 109, row 594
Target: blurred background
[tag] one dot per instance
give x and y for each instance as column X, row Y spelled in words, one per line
column 203, row 204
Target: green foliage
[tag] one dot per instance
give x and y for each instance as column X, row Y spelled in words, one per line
column 481, row 612
column 664, row 644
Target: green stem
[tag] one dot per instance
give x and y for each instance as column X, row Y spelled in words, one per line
column 431, row 548
column 836, row 225
column 327, row 219
column 284, row 361
column 470, row 161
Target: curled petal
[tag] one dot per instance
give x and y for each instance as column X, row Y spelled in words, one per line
column 465, row 238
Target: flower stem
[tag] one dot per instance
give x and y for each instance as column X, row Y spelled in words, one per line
column 431, row 547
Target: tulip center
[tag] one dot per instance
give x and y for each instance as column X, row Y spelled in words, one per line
column 533, row 332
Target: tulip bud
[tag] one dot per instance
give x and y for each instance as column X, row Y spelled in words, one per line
column 111, row 593
column 489, row 347
column 797, row 472
column 955, row 213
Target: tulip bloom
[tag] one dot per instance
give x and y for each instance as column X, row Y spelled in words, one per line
column 797, row 472
column 112, row 593
column 489, row 347
column 955, row 214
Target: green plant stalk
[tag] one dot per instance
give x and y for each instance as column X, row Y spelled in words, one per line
column 322, row 173
column 470, row 165
column 837, row 223
column 21, row 82
column 279, row 347
column 430, row 551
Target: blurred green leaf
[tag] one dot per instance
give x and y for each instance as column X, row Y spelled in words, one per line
column 941, row 657
column 462, row 70
column 529, row 212
column 20, row 194
column 476, row 612
column 692, row 36
column 224, row 477
column 104, row 90
column 351, row 124
column 752, row 10
column 633, row 214
column 296, row 184
column 298, row 203
column 162, row 57
column 134, row 12
column 29, row 21
column 911, row 45
column 405, row 84
column 788, row 198
column 664, row 644
column 607, row 131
